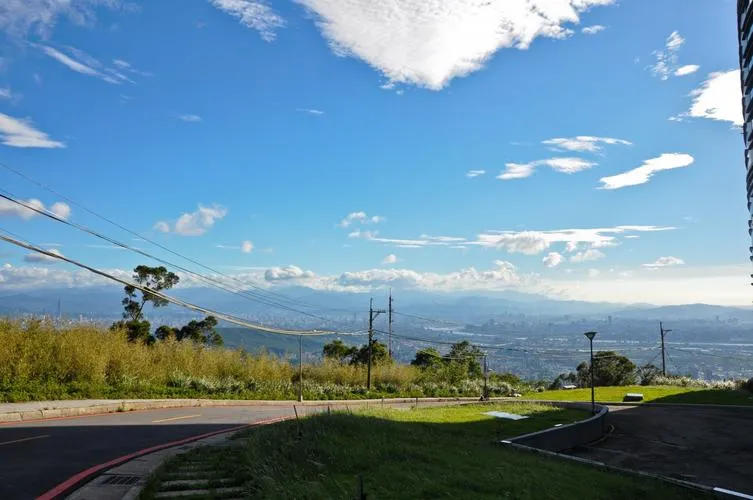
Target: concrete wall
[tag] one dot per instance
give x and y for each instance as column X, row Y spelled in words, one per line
column 567, row 436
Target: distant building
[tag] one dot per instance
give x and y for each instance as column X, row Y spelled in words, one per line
column 745, row 38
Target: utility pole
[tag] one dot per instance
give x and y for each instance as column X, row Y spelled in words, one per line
column 663, row 332
column 372, row 316
column 485, row 397
column 389, row 325
column 300, row 368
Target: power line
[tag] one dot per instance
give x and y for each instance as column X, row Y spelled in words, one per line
column 209, row 280
column 159, row 245
column 227, row 317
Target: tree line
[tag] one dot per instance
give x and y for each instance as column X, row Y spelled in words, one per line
column 139, row 329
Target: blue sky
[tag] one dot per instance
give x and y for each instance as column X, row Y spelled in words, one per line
column 259, row 127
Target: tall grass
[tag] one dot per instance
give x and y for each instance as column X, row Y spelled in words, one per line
column 40, row 361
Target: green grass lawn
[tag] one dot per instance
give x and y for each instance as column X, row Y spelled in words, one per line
column 447, row 452
column 657, row 394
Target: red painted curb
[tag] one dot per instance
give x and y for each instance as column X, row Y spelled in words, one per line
column 91, row 472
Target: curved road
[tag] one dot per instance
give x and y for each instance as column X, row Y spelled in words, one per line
column 37, row 456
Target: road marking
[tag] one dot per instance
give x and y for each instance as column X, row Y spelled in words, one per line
column 174, row 418
column 25, row 439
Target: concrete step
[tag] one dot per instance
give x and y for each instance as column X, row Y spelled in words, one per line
column 196, row 493
column 190, row 483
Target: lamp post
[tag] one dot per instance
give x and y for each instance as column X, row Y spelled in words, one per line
column 590, row 336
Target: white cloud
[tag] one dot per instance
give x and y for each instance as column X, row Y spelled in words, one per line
column 7, row 94
column 42, row 258
column 642, row 174
column 10, row 209
column 254, row 15
column 390, row 259
column 534, row 242
column 588, row 255
column 593, row 273
column 18, row 17
column 687, row 69
column 19, row 133
column 666, row 59
column 368, row 235
column 81, row 62
column 311, row 111
column 194, row 223
column 361, row 217
column 592, row 30
column 247, row 247
column 564, row 165
column 583, row 143
column 190, row 118
column 428, row 43
column 474, row 173
column 665, row 262
column 718, row 98
column 60, row 209
column 553, row 259
column 287, row 273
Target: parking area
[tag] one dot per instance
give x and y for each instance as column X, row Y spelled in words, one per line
column 710, row 446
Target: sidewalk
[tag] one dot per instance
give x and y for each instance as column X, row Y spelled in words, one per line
column 35, row 410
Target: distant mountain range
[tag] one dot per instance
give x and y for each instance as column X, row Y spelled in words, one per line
column 455, row 307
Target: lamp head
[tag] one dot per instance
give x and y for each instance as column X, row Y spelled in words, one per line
column 590, row 335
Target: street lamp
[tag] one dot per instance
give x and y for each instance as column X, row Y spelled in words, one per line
column 590, row 336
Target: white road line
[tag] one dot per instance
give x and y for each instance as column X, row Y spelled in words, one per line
column 174, row 418
column 25, row 439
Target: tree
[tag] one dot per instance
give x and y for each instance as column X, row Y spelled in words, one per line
column 133, row 322
column 426, row 358
column 338, row 351
column 648, row 374
column 468, row 354
column 201, row 332
column 379, row 354
column 610, row 368
column 165, row 332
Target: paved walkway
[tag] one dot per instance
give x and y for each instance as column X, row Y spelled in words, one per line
column 710, row 446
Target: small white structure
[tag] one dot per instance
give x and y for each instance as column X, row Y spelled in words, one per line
column 569, row 386
column 504, row 414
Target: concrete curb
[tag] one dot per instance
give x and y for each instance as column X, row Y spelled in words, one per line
column 116, row 406
column 567, row 436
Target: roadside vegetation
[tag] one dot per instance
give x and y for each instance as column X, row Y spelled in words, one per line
column 447, row 452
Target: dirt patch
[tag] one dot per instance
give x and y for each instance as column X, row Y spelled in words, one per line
column 710, row 446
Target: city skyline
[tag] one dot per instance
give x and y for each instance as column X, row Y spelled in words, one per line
column 550, row 151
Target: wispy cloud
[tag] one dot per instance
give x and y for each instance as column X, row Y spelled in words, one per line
column 254, row 15
column 643, row 174
column 665, row 262
column 564, row 165
column 588, row 255
column 40, row 258
column 19, row 17
column 553, row 259
column 583, row 143
column 190, row 118
column 474, row 173
column 666, row 59
column 81, row 62
column 361, row 218
column 687, row 69
column 8, row 95
column 429, row 43
column 390, row 259
column 592, row 30
column 311, row 111
column 194, row 223
column 18, row 133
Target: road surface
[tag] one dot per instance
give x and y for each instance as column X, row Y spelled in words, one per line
column 707, row 445
column 36, row 456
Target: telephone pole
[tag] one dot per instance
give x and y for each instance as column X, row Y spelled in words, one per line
column 373, row 313
column 485, row 397
column 663, row 332
column 389, row 325
column 300, row 368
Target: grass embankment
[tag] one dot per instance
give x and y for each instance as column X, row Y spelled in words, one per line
column 40, row 362
column 657, row 394
column 448, row 452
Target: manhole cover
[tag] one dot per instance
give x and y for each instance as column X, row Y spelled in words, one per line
column 120, row 479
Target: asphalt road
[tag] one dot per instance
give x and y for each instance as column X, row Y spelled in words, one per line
column 36, row 456
column 710, row 446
